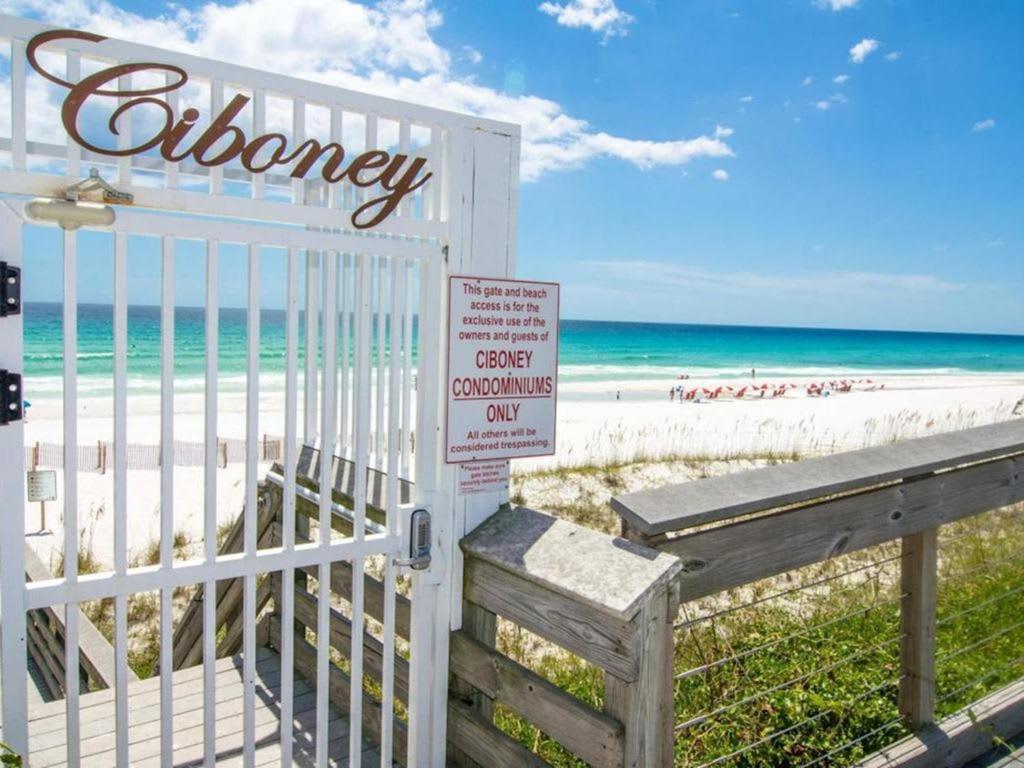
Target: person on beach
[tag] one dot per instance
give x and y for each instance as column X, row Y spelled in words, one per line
column 672, row 394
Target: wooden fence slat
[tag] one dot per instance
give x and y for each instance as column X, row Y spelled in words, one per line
column 587, row 733
column 484, row 743
column 590, row 634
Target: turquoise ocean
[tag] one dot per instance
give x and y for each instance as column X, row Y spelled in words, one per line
column 590, row 351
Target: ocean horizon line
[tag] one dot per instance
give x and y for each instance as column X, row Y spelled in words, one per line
column 665, row 323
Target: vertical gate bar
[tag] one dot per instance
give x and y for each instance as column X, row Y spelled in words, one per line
column 361, row 459
column 170, row 168
column 379, row 425
column 424, row 596
column 71, row 664
column 167, row 501
column 329, row 379
column 407, row 347
column 391, row 519
column 439, row 164
column 404, row 136
column 441, row 530
column 73, row 69
column 210, row 505
column 121, row 490
column 18, row 114
column 216, row 107
column 310, row 379
column 252, row 402
column 13, row 658
column 344, row 443
column 288, row 507
column 259, row 124
column 124, row 135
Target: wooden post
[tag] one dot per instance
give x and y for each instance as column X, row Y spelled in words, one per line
column 42, row 504
column 919, row 577
column 646, row 706
column 482, row 625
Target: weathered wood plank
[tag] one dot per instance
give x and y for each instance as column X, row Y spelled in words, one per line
column 750, row 550
column 677, row 507
column 956, row 740
column 605, row 573
column 481, row 625
column 343, row 482
column 341, row 640
column 645, row 706
column 373, row 590
column 601, row 639
column 233, row 637
column 189, row 632
column 151, row 685
column 587, row 733
column 145, row 710
column 95, row 653
column 919, row 577
column 484, row 743
column 340, row 686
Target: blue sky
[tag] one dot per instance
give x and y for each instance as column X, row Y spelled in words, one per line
column 721, row 161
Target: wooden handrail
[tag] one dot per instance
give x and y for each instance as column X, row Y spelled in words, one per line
column 658, row 511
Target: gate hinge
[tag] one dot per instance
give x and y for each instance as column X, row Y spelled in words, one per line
column 10, row 290
column 10, row 397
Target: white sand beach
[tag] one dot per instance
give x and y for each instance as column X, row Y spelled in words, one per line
column 598, row 422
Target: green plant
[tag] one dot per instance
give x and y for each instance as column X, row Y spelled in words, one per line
column 9, row 757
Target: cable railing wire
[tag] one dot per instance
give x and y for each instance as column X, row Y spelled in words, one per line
column 979, row 606
column 980, row 643
column 806, row 721
column 994, row 672
column 862, row 611
column 789, row 683
column 784, row 593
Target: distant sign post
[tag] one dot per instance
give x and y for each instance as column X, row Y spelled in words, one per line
column 502, row 369
column 41, row 486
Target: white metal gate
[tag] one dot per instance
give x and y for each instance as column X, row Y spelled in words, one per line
column 369, row 333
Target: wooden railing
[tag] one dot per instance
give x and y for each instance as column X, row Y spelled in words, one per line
column 45, row 637
column 605, row 600
column 732, row 531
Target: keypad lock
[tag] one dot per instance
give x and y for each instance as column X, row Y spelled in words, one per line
column 419, row 542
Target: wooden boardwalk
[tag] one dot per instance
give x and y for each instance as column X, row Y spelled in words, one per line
column 47, row 739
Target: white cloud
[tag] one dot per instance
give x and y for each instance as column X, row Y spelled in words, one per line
column 983, row 125
column 838, row 98
column 746, row 99
column 720, row 174
column 601, row 16
column 840, row 79
column 836, row 5
column 472, row 54
column 808, row 80
column 863, row 49
column 723, row 132
column 669, row 276
column 893, row 55
column 387, row 49
column 823, row 105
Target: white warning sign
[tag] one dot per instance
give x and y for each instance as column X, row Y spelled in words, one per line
column 502, row 369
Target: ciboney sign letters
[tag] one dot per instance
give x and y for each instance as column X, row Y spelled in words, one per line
column 222, row 142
